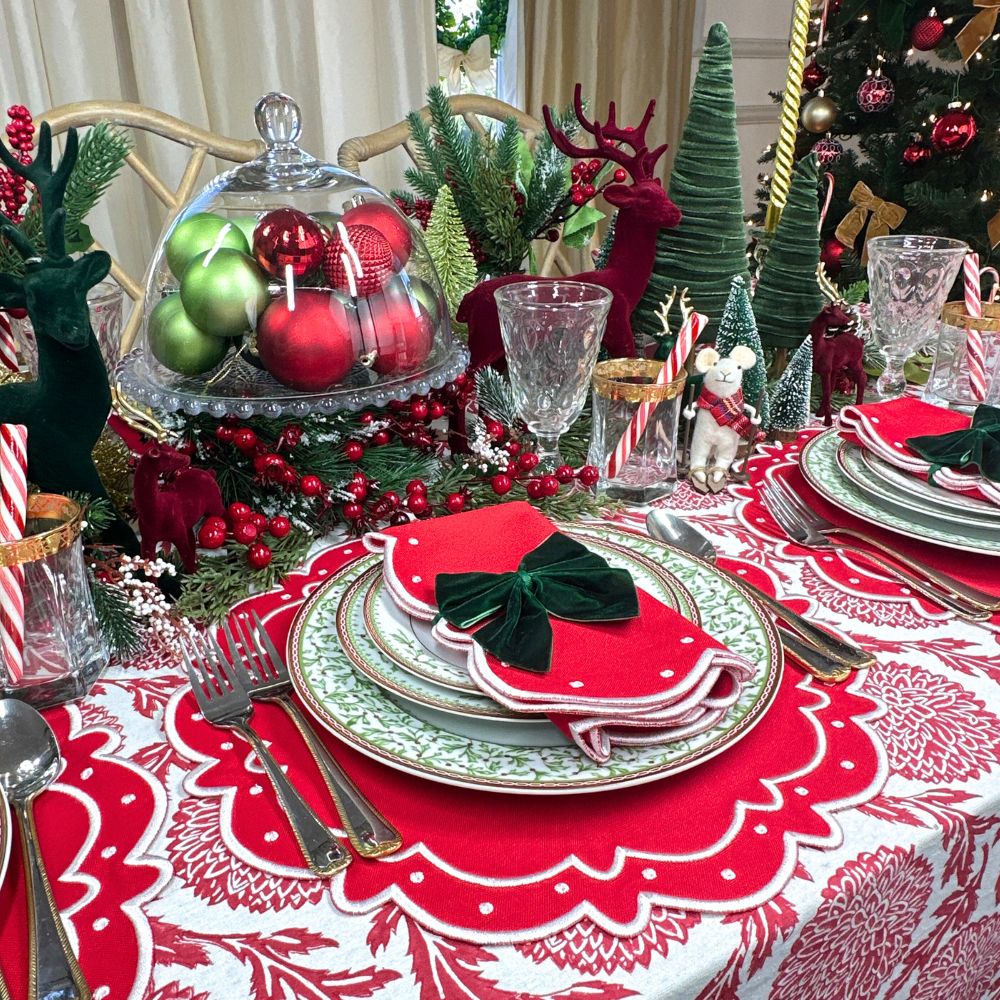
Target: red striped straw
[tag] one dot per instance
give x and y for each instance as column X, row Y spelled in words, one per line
column 13, row 511
column 975, row 353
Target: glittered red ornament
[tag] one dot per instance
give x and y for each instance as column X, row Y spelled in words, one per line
column 953, row 131
column 311, row 486
column 279, row 526
column 308, row 341
column 876, row 94
column 588, row 475
column 927, row 33
column 399, row 330
column 813, row 76
column 832, row 254
column 828, row 151
column 238, row 511
column 917, row 153
column 286, row 238
column 362, row 265
column 455, row 502
column 259, row 555
column 388, row 222
column 212, row 533
column 501, row 484
column 245, row 532
column 353, row 451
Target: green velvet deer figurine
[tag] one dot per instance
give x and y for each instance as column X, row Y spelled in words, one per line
column 66, row 407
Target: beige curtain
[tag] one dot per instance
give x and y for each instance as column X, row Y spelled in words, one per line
column 626, row 51
column 354, row 66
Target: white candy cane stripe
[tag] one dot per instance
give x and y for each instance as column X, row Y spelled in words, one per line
column 671, row 368
column 974, row 350
column 12, row 621
column 13, row 511
column 8, row 346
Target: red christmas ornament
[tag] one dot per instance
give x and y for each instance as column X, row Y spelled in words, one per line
column 245, row 440
column 813, row 76
column 245, row 532
column 388, row 222
column 363, row 265
column 917, row 153
column 828, row 151
column 832, row 254
column 286, row 238
column 953, row 131
column 308, row 343
column 927, row 33
column 588, row 475
column 353, row 451
column 311, row 486
column 279, row 526
column 212, row 533
column 417, row 503
column 876, row 94
column 399, row 330
column 238, row 511
column 258, row 555
column 290, row 437
column 455, row 503
column 501, row 484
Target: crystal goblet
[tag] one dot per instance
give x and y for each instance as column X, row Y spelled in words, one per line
column 551, row 332
column 909, row 279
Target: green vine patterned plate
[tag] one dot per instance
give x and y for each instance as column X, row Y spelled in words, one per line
column 823, row 473
column 367, row 718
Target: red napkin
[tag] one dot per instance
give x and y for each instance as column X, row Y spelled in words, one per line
column 646, row 680
column 883, row 428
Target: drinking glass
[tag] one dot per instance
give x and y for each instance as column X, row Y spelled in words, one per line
column 948, row 383
column 909, row 280
column 551, row 331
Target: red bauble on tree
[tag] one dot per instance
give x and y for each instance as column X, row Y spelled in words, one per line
column 832, row 254
column 813, row 76
column 916, row 153
column 361, row 264
column 388, row 222
column 876, row 94
column 828, row 151
column 953, row 131
column 927, row 33
column 399, row 331
column 308, row 341
column 286, row 238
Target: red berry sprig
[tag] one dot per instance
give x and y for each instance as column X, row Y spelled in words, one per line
column 20, row 133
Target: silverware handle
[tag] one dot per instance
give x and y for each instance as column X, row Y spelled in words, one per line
column 814, row 660
column 322, row 852
column 369, row 832
column 53, row 971
column 827, row 646
column 975, row 596
column 924, row 587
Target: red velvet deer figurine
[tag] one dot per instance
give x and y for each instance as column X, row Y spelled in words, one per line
column 837, row 353
column 643, row 209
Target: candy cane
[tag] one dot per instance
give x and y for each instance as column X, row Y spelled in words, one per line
column 8, row 346
column 13, row 511
column 669, row 371
column 974, row 351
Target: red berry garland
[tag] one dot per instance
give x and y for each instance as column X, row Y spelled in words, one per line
column 279, row 526
column 245, row 532
column 259, row 555
column 310, row 486
column 238, row 511
column 20, row 133
column 212, row 533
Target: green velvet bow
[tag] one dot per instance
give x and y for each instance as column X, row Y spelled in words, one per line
column 561, row 577
column 978, row 445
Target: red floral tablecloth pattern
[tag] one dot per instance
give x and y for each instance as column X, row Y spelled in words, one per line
column 906, row 906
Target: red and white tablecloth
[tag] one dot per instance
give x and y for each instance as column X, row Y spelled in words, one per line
column 172, row 872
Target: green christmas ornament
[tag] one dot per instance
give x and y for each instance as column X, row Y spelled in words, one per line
column 789, row 398
column 737, row 327
column 224, row 291
column 709, row 246
column 178, row 344
column 201, row 232
column 427, row 297
column 246, row 224
column 788, row 297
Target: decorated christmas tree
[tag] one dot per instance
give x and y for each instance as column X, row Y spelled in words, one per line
column 709, row 246
column 789, row 396
column 737, row 326
column 448, row 245
column 788, row 296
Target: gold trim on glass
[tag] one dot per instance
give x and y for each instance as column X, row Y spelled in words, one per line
column 609, row 381
column 954, row 314
column 48, row 507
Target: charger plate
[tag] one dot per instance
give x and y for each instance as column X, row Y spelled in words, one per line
column 361, row 714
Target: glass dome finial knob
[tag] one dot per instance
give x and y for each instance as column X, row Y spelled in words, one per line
column 278, row 119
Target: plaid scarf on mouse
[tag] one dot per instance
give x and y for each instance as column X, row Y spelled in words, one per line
column 728, row 412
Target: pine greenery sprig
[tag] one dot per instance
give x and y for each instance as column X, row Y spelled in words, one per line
column 495, row 397
column 547, row 190
column 117, row 619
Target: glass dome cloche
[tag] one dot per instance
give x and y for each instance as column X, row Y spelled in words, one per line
column 289, row 285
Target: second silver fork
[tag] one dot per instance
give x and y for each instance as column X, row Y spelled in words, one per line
column 265, row 674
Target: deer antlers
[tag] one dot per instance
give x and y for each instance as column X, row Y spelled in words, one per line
column 639, row 163
column 663, row 313
column 827, row 287
column 51, row 187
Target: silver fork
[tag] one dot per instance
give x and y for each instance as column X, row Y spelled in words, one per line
column 224, row 702
column 807, row 528
column 265, row 675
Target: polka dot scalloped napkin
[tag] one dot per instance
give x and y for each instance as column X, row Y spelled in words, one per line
column 722, row 837
column 638, row 682
column 884, row 427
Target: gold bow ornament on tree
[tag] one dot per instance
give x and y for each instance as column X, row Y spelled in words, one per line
column 976, row 31
column 477, row 61
column 882, row 217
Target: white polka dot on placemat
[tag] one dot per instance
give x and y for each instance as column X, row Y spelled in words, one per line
column 416, row 877
column 226, row 746
column 102, row 993
column 576, row 684
column 485, row 909
column 256, row 789
column 127, row 800
column 561, row 887
column 666, row 673
column 905, row 590
column 86, row 773
column 837, row 724
column 687, row 640
column 100, row 923
column 323, row 572
column 649, row 874
column 827, row 558
column 271, row 836
column 874, row 420
column 286, row 597
column 417, row 579
column 109, row 852
column 760, row 828
column 853, row 579
column 847, row 765
column 413, row 541
column 728, row 874
column 897, row 444
column 196, row 716
column 799, row 790
column 741, row 571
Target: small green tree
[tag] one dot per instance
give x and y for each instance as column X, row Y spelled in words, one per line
column 789, row 397
column 737, row 326
column 788, row 297
column 448, row 246
column 709, row 246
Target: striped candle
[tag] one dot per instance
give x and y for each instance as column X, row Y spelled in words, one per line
column 13, row 511
column 975, row 352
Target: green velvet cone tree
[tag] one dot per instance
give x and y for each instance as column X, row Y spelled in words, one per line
column 789, row 397
column 448, row 246
column 737, row 326
column 709, row 246
column 788, row 297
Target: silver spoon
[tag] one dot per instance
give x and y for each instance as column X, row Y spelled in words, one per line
column 823, row 654
column 29, row 762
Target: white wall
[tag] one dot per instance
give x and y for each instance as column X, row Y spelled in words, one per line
column 759, row 30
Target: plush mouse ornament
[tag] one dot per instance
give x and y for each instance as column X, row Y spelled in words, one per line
column 722, row 418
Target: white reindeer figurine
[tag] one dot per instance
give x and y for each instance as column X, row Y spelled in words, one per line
column 723, row 419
